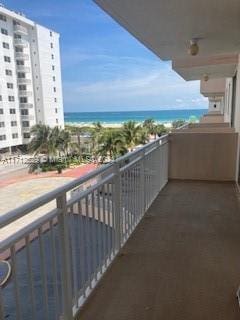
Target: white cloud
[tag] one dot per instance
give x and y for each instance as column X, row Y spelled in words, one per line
column 154, row 89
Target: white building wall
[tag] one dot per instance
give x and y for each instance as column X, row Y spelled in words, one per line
column 35, row 99
column 50, row 105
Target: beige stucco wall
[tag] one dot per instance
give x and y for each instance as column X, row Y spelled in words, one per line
column 203, row 156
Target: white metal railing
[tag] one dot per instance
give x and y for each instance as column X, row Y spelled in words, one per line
column 66, row 249
column 24, row 93
column 20, row 29
column 23, row 68
column 24, row 81
column 21, row 55
column 20, row 42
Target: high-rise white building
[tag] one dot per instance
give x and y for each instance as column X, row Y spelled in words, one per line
column 30, row 78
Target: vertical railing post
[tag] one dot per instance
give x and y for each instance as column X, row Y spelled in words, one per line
column 142, row 183
column 117, row 206
column 65, row 256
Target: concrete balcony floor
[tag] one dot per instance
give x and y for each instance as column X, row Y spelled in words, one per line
column 181, row 263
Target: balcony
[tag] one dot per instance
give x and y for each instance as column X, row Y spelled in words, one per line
column 21, row 55
column 23, row 68
column 24, row 93
column 23, row 81
column 20, row 29
column 27, row 117
column 26, row 105
column 20, row 43
column 172, row 246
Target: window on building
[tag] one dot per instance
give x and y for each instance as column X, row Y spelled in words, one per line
column 23, row 99
column 18, row 49
column 2, row 124
column 26, row 135
column 56, row 120
column 11, row 98
column 9, row 85
column 1, row 110
column 54, row 78
column 17, row 36
column 50, row 33
column 15, row 135
column 53, row 68
column 21, row 75
column 54, row 89
column 52, row 56
column 20, row 62
column 25, row 124
column 3, row 18
column 13, row 123
column 22, row 87
column 5, row 45
column 2, row 137
column 24, row 112
column 7, row 59
column 4, row 31
column 12, row 111
column 0, row 97
column 56, row 110
column 8, row 72
column 55, row 99
column 51, row 44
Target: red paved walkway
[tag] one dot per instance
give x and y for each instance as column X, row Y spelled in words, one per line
column 23, row 176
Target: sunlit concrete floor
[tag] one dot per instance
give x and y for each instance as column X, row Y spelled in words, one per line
column 181, row 263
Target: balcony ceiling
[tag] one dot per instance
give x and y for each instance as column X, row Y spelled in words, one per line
column 166, row 27
column 195, row 68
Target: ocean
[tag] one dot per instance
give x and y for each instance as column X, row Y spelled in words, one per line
column 118, row 117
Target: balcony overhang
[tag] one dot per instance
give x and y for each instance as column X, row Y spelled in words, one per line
column 213, row 87
column 217, row 66
column 166, row 27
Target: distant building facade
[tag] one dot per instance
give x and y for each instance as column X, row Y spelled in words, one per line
column 30, row 78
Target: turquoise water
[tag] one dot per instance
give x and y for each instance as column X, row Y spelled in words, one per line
column 118, row 117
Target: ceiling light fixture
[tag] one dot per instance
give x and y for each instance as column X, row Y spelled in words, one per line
column 193, row 48
column 206, row 77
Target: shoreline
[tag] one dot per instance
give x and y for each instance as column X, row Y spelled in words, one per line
column 112, row 124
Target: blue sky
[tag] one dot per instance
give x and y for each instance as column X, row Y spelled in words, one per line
column 103, row 67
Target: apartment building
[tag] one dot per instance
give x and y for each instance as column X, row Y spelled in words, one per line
column 30, row 78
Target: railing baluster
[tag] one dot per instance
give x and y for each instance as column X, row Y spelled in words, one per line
column 43, row 273
column 65, row 256
column 30, row 278
column 117, row 207
column 15, row 281
column 54, row 269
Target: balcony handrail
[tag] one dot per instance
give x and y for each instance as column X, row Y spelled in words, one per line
column 15, row 214
column 113, row 204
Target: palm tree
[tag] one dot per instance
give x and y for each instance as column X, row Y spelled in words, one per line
column 41, row 141
column 112, row 144
column 97, row 133
column 143, row 136
column 149, row 124
column 131, row 133
column 160, row 129
column 49, row 141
